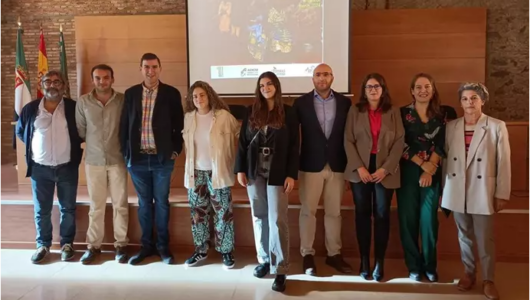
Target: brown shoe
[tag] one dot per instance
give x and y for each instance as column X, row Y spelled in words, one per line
column 490, row 291
column 466, row 282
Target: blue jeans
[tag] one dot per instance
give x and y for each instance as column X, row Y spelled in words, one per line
column 151, row 177
column 43, row 182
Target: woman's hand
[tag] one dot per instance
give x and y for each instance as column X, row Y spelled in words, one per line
column 365, row 175
column 425, row 179
column 499, row 204
column 288, row 185
column 429, row 167
column 379, row 175
column 242, row 179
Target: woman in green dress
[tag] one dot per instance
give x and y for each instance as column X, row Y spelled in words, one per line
column 418, row 198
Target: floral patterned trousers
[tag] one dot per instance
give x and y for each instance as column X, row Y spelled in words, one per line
column 203, row 199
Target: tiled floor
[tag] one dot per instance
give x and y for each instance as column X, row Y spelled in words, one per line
column 156, row 281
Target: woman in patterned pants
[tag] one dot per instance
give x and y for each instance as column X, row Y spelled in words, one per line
column 209, row 136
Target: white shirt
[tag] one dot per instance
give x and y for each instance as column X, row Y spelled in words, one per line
column 50, row 145
column 203, row 158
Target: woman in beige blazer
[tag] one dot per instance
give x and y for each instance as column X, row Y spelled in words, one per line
column 210, row 133
column 477, row 182
column 373, row 139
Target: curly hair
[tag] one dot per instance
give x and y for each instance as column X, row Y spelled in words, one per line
column 260, row 115
column 214, row 101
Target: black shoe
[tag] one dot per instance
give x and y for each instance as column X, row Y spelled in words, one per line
column 338, row 263
column 89, row 256
column 166, row 256
column 379, row 270
column 432, row 276
column 67, row 252
column 228, row 260
column 279, row 283
column 364, row 269
column 262, row 270
column 414, row 275
column 40, row 254
column 195, row 259
column 309, row 265
column 121, row 256
column 138, row 258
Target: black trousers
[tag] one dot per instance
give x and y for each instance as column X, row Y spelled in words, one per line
column 372, row 199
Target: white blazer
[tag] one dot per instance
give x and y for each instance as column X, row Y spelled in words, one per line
column 484, row 175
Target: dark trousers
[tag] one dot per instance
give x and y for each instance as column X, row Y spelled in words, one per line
column 418, row 214
column 44, row 179
column 151, row 177
column 372, row 199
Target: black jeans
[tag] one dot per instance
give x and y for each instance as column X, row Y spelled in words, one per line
column 372, row 199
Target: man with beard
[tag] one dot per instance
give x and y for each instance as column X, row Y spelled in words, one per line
column 53, row 154
column 98, row 122
column 322, row 115
column 151, row 139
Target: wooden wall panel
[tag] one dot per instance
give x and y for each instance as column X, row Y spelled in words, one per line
column 410, row 21
column 126, row 27
column 449, row 44
column 121, row 42
column 518, row 133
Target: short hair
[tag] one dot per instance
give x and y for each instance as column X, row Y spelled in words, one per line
column 150, row 56
column 53, row 73
column 477, row 87
column 102, row 67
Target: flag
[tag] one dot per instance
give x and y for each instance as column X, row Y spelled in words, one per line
column 22, row 87
column 43, row 64
column 64, row 68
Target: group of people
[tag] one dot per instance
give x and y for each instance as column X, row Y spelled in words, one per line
column 322, row 140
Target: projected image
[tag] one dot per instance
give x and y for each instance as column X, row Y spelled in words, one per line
column 266, row 34
column 231, row 42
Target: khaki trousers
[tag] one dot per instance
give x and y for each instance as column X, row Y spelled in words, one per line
column 312, row 186
column 476, row 229
column 102, row 181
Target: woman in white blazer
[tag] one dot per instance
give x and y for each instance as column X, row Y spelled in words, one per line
column 477, row 182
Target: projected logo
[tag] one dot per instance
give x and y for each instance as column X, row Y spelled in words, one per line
column 310, row 69
column 278, row 72
column 220, row 72
column 249, row 72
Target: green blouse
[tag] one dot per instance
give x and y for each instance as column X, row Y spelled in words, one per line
column 422, row 139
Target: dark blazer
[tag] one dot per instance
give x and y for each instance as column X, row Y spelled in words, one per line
column 25, row 130
column 167, row 122
column 285, row 158
column 317, row 150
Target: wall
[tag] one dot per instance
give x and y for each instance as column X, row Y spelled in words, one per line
column 507, row 44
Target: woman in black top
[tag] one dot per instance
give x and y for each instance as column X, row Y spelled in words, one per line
column 267, row 164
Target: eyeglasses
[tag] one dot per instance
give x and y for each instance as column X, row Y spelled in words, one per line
column 370, row 87
column 48, row 83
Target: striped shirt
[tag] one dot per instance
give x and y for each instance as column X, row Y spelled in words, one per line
column 148, row 103
column 469, row 130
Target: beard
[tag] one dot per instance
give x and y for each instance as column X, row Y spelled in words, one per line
column 52, row 94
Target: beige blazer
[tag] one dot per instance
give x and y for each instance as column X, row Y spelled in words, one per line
column 486, row 172
column 358, row 145
column 223, row 135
